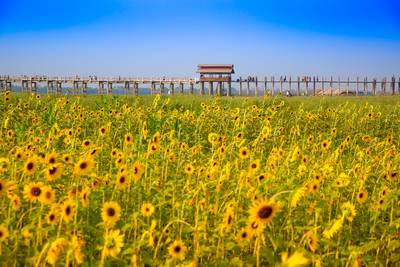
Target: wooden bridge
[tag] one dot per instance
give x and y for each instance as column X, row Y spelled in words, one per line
column 249, row 86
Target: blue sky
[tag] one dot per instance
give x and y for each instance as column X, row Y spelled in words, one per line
column 161, row 37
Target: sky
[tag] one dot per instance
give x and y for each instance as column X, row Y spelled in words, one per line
column 154, row 38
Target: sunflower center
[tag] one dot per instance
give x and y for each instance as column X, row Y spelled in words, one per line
column 29, row 166
column 48, row 195
column 265, row 212
column 177, row 249
column 52, row 170
column 35, row 191
column 110, row 212
column 1, row 233
column 361, row 195
column 83, row 165
column 52, row 217
column 68, row 210
column 122, row 180
column 244, row 235
column 52, row 160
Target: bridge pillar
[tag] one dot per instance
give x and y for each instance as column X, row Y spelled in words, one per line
column 191, row 88
column 256, row 86
column 84, row 88
column 248, row 87
column 126, row 88
column 74, row 87
column 8, row 86
column 201, row 88
column 181, row 87
column 398, row 86
column 171, row 89
column 211, row 88
column 273, row 86
column 152, row 88
column 33, row 87
column 307, row 86
column 219, row 88
column 109, row 88
column 59, row 87
column 314, row 87
column 161, row 88
column 393, row 85
column 240, row 86
column 229, row 93
column 136, row 88
column 298, row 86
column 265, row 86
column 50, row 87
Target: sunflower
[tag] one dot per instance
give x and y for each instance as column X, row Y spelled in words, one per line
column 122, row 180
column 85, row 196
column 128, row 140
column 244, row 152
column 33, row 191
column 67, row 158
column 110, row 213
column 86, row 143
column 313, row 187
column 47, row 196
column 362, row 196
column 311, row 241
column 228, row 219
column 189, row 169
column 254, row 227
column 138, row 170
column 147, row 209
column 156, row 138
column 334, row 131
column 297, row 259
column 54, row 171
column 254, row 166
column 325, row 145
column 4, row 165
column 68, row 210
column 263, row 211
column 243, row 235
column 84, row 166
column 103, row 130
column 30, row 166
column 3, row 186
column 51, row 158
column 177, row 250
column 56, row 248
column 381, row 203
column 52, row 217
column 113, row 242
column 384, row 191
column 3, row 233
column 16, row 202
column 310, row 140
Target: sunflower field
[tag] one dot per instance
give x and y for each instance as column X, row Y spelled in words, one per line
column 199, row 181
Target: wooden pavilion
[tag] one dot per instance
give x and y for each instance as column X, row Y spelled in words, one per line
column 219, row 73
